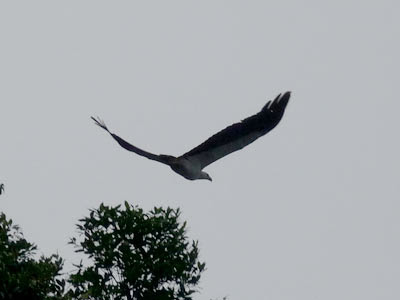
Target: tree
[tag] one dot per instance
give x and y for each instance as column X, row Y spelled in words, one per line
column 135, row 255
column 21, row 276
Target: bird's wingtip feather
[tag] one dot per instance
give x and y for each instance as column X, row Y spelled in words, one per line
column 279, row 102
column 100, row 122
column 285, row 97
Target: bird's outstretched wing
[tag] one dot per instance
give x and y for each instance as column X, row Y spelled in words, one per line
column 166, row 159
column 241, row 134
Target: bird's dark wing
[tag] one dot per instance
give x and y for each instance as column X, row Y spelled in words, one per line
column 241, row 134
column 166, row 159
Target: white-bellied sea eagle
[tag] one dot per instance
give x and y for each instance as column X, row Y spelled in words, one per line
column 191, row 164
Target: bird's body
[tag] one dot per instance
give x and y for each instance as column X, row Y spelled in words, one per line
column 228, row 140
column 189, row 169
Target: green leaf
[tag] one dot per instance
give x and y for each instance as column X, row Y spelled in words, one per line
column 133, row 252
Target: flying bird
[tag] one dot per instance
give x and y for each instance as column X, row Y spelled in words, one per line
column 235, row 137
column 1, row 188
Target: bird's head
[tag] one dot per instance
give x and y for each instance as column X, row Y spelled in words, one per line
column 204, row 175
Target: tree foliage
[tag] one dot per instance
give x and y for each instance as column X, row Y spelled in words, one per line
column 135, row 255
column 21, row 276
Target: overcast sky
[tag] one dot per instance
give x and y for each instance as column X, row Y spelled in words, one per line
column 310, row 211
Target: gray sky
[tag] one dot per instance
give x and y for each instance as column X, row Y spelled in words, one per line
column 310, row 211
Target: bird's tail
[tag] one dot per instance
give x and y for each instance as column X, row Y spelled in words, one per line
column 100, row 122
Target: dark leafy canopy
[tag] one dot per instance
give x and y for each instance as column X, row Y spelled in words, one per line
column 21, row 276
column 135, row 255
